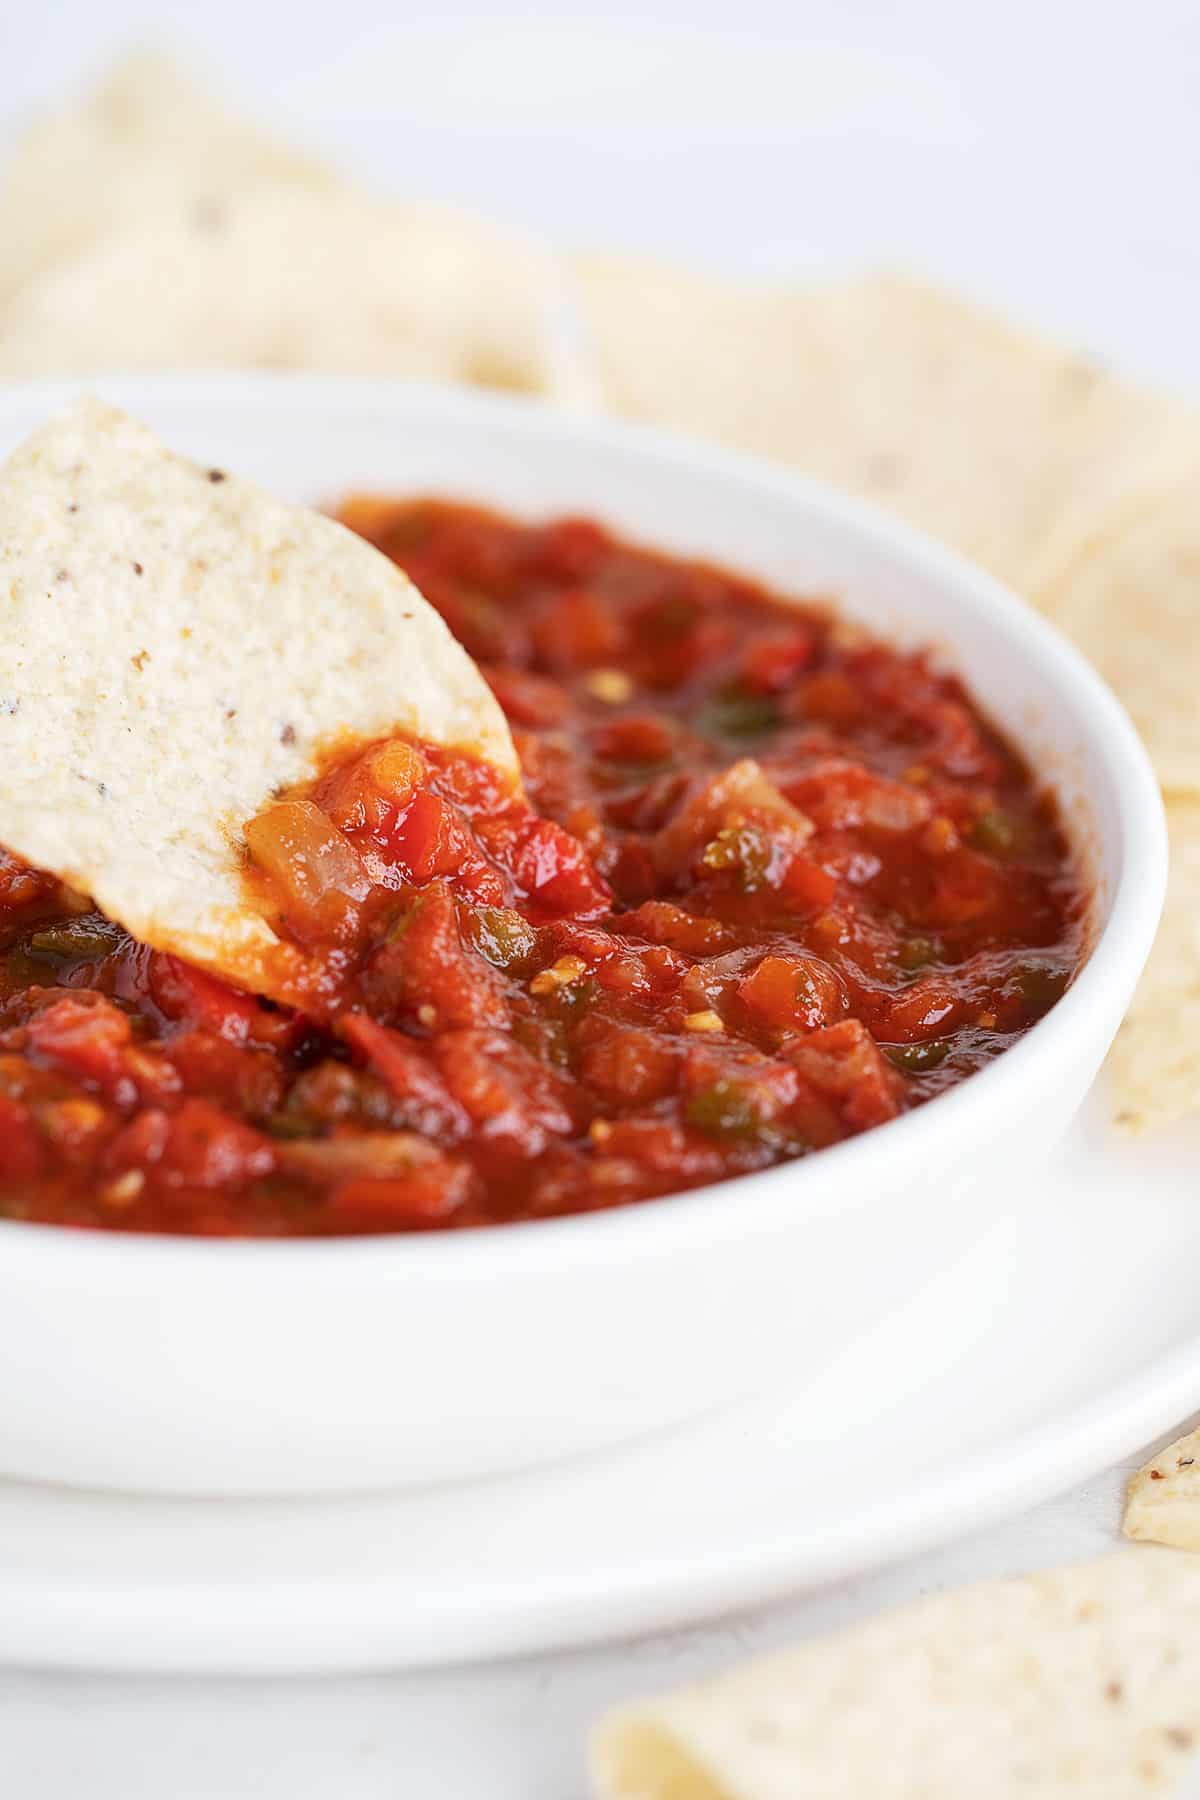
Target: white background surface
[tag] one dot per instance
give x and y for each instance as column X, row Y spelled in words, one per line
column 509, row 1732
column 1043, row 155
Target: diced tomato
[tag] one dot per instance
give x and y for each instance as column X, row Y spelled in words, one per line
column 844, row 796
column 727, row 801
column 476, row 787
column 632, row 871
column 77, row 1129
column 958, row 746
column 139, row 1144
column 793, row 993
column 22, row 1152
column 91, row 1043
column 624, row 972
column 530, row 700
column 364, row 796
column 353, row 1155
column 637, row 738
column 575, row 630
column 680, row 634
column 830, row 696
column 551, row 868
column 426, row 964
column 427, row 1105
column 567, row 549
column 20, row 885
column 927, row 1009
column 205, row 1148
column 515, row 1101
column 664, row 923
column 844, row 1067
column 730, row 1093
column 774, row 660
column 479, row 549
column 625, row 1064
column 805, row 885
column 245, row 1080
column 186, row 993
column 661, row 1152
column 425, row 1198
column 432, row 841
column 709, row 983
column 963, row 889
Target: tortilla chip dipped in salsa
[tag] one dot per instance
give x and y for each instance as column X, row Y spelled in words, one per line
column 180, row 645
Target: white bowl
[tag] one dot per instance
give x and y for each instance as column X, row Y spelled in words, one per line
column 173, row 1364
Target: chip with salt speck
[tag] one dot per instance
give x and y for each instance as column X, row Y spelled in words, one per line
column 1080, row 1682
column 180, row 728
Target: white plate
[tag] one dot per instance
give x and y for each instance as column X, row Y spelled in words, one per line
column 1066, row 1337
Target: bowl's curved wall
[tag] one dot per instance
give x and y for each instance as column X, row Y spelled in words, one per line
column 176, row 1365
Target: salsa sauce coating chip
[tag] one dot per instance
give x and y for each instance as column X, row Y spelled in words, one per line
column 179, row 646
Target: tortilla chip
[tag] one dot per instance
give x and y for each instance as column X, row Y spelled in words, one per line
column 148, row 140
column 1122, row 579
column 178, row 646
column 1127, row 591
column 1084, row 1681
column 1162, row 1502
column 977, row 432
column 1154, row 1066
column 147, row 228
column 280, row 276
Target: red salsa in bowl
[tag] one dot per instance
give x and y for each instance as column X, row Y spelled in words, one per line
column 770, row 883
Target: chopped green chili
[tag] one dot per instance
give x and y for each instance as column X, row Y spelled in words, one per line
column 736, row 715
column 726, row 1109
column 915, row 1059
column 75, row 940
column 994, row 832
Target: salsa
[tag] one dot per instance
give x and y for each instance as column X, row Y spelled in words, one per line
column 770, row 883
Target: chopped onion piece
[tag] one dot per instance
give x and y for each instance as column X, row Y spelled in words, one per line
column 312, row 864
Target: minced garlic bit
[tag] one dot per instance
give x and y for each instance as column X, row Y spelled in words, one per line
column 610, row 685
column 704, row 1021
column 71, row 1121
column 848, row 634
column 72, row 900
column 124, row 1190
column 610, row 1171
column 427, row 1015
column 560, row 974
column 939, row 837
column 599, row 1131
column 828, row 927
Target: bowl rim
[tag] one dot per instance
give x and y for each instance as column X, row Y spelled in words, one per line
column 1117, row 956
